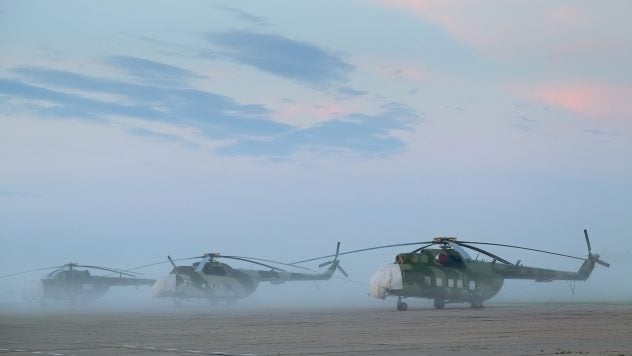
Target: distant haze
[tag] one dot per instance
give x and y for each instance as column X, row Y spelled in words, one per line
column 133, row 131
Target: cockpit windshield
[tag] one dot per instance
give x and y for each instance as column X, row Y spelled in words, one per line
column 466, row 256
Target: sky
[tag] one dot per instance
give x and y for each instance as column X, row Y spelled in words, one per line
column 132, row 130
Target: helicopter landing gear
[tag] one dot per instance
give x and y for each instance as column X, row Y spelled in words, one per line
column 477, row 302
column 401, row 306
column 439, row 303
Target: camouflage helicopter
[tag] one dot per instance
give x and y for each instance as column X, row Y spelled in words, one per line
column 211, row 279
column 77, row 285
column 448, row 274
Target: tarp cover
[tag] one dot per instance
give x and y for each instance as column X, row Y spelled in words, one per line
column 385, row 279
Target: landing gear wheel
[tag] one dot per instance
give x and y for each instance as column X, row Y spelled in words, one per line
column 477, row 303
column 401, row 306
column 439, row 303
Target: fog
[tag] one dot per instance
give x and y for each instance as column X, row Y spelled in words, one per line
column 128, row 134
column 605, row 285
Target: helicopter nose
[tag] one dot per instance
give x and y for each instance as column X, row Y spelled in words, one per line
column 164, row 286
column 384, row 280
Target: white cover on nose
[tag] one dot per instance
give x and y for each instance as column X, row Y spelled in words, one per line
column 164, row 285
column 385, row 279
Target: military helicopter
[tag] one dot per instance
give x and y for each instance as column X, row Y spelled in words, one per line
column 211, row 279
column 75, row 285
column 448, row 274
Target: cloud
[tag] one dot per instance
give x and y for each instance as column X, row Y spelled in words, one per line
column 216, row 115
column 588, row 99
column 349, row 92
column 360, row 133
column 544, row 27
column 150, row 71
column 295, row 60
column 245, row 16
column 242, row 129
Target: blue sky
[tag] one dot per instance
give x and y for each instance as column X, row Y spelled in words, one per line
column 281, row 127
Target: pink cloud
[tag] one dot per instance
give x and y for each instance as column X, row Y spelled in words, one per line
column 504, row 28
column 587, row 99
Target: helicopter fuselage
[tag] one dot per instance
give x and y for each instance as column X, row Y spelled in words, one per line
column 448, row 277
column 217, row 281
column 440, row 274
column 77, row 286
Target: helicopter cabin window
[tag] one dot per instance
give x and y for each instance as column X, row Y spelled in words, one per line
column 439, row 282
column 428, row 280
column 459, row 283
column 472, row 285
column 451, row 283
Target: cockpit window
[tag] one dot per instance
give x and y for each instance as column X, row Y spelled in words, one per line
column 461, row 252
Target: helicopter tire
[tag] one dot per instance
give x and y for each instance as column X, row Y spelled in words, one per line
column 402, row 306
column 477, row 303
column 439, row 303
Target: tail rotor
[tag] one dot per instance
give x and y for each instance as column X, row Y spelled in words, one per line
column 591, row 256
column 335, row 262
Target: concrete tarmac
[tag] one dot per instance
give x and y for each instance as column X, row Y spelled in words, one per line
column 498, row 329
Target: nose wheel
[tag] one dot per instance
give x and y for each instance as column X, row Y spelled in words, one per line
column 401, row 306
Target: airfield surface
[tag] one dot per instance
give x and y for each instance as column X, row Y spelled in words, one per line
column 500, row 329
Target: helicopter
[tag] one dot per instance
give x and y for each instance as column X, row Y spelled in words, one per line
column 448, row 274
column 67, row 282
column 208, row 278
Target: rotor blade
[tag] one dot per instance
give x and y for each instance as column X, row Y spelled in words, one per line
column 108, row 269
column 342, row 270
column 275, row 262
column 160, row 263
column 423, row 247
column 325, row 263
column 483, row 252
column 31, row 270
column 251, row 261
column 362, row 250
column 587, row 241
column 149, row 265
column 520, row 247
column 171, row 261
column 605, row 264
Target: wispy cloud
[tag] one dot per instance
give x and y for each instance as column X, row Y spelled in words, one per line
column 366, row 134
column 151, row 71
column 588, row 99
column 345, row 92
column 243, row 129
column 295, row 60
column 218, row 116
column 245, row 16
